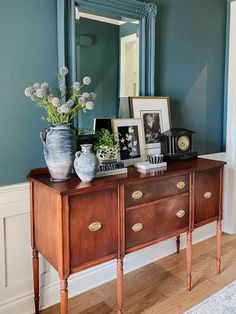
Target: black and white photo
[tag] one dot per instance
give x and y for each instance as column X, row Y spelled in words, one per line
column 155, row 116
column 152, row 127
column 130, row 137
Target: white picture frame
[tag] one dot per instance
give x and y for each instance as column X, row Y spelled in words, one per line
column 130, row 134
column 155, row 115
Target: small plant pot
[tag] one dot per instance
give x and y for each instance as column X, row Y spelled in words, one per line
column 107, row 155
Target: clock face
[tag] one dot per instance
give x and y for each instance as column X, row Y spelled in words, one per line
column 183, row 143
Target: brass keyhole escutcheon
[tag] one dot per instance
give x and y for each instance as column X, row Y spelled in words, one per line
column 180, row 185
column 137, row 195
column 180, row 213
column 95, row 226
column 137, row 227
column 207, row 195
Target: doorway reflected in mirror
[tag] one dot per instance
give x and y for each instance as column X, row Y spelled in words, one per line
column 107, row 49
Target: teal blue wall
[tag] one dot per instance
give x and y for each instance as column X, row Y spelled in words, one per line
column 190, row 66
column 100, row 60
column 28, row 53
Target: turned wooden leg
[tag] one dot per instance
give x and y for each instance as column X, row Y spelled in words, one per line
column 189, row 259
column 119, row 286
column 35, row 260
column 218, row 245
column 177, row 244
column 64, row 296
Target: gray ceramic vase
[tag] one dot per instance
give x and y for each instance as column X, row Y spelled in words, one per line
column 59, row 143
column 86, row 163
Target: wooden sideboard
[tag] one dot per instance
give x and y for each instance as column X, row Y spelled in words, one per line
column 77, row 225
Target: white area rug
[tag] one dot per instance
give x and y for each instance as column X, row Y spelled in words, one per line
column 223, row 302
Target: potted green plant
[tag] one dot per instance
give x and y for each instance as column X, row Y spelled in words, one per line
column 106, row 146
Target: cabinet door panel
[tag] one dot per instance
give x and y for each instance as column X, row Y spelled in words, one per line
column 207, row 195
column 93, row 226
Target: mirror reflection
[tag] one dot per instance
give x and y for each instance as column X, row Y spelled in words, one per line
column 107, row 49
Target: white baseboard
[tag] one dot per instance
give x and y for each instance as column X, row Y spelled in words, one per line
column 14, row 204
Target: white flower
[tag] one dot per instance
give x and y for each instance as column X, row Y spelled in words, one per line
column 62, row 88
column 63, row 71
column 131, row 130
column 135, row 143
column 122, row 140
column 130, row 144
column 89, row 105
column 50, row 97
column 44, row 86
column 124, row 148
column 36, row 86
column 87, row 80
column 41, row 93
column 93, row 96
column 29, row 91
column 55, row 101
column 59, row 110
column 70, row 103
column 76, row 85
column 65, row 108
column 81, row 100
column 128, row 137
column 86, row 95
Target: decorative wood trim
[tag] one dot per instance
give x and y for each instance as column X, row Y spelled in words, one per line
column 121, row 221
column 66, row 246
column 60, row 258
column 218, row 245
column 189, row 259
column 35, row 261
column 119, row 284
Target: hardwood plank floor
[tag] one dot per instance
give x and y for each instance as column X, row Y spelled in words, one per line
column 160, row 288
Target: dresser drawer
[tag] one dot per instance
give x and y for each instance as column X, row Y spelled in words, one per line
column 143, row 192
column 93, row 226
column 207, row 195
column 156, row 220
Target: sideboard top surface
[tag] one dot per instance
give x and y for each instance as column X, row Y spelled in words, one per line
column 75, row 185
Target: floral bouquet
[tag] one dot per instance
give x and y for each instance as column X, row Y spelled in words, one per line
column 59, row 110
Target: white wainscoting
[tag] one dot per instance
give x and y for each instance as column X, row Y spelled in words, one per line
column 16, row 291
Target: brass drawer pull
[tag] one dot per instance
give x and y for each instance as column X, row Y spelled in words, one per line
column 137, row 227
column 137, row 195
column 180, row 185
column 207, row 195
column 180, row 213
column 95, row 226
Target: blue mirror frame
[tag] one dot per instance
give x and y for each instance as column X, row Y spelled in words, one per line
column 133, row 9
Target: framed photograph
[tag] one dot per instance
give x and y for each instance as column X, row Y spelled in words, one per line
column 102, row 123
column 130, row 133
column 155, row 115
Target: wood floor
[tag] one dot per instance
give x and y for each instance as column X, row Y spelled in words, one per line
column 159, row 288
